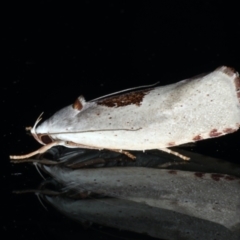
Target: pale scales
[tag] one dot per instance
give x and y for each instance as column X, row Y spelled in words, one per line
column 156, row 118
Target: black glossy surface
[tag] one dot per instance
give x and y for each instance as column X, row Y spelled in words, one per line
column 54, row 52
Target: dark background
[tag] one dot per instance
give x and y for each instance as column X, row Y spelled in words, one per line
column 52, row 52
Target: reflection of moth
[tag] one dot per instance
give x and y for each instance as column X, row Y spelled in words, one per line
column 140, row 218
column 210, row 196
column 106, row 188
column 154, row 118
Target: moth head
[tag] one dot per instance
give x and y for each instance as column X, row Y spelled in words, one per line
column 42, row 138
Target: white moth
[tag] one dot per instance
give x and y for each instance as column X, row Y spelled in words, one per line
column 155, row 118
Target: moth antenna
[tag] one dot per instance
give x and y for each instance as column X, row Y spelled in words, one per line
column 36, row 166
column 33, row 129
column 125, row 90
column 104, row 130
column 39, row 199
column 37, row 121
column 36, row 193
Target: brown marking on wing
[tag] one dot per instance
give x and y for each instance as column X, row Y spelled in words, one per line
column 199, row 174
column 229, row 178
column 77, row 105
column 215, row 133
column 237, row 85
column 172, row 172
column 171, row 144
column 197, row 138
column 229, row 130
column 232, row 72
column 216, row 177
column 228, row 71
column 125, row 99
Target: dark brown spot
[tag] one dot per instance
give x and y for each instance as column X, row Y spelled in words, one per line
column 171, row 144
column 199, row 174
column 172, row 172
column 77, row 105
column 237, row 83
column 197, row 138
column 215, row 133
column 125, row 99
column 229, row 130
column 216, row 176
column 229, row 178
column 45, row 138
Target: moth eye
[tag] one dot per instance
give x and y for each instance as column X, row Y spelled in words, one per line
column 45, row 139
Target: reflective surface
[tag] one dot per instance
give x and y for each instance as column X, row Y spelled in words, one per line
column 52, row 53
column 157, row 195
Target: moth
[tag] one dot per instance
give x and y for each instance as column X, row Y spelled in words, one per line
column 153, row 118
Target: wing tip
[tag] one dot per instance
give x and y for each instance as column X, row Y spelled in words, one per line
column 231, row 72
column 234, row 75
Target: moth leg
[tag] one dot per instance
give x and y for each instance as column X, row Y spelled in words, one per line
column 174, row 153
column 39, row 151
column 170, row 164
column 78, row 145
column 128, row 154
column 72, row 144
